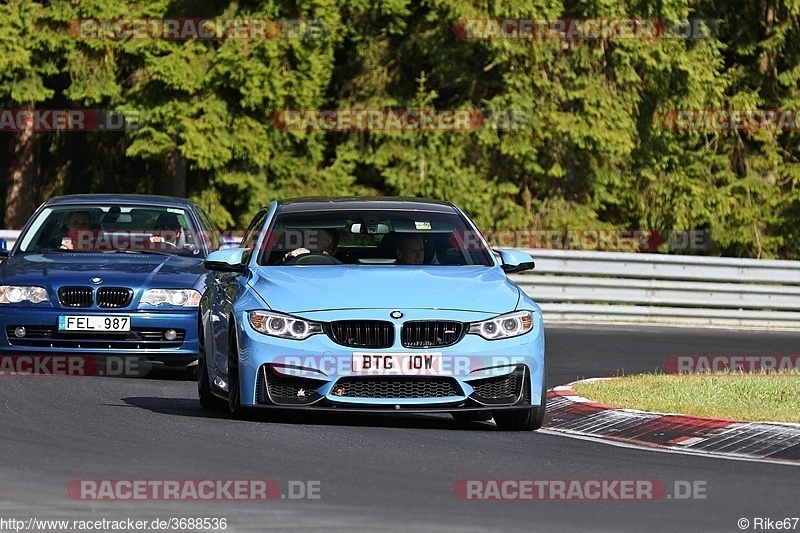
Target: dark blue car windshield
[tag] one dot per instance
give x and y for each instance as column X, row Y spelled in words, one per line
column 113, row 227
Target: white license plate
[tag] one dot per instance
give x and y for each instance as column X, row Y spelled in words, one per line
column 94, row 323
column 392, row 364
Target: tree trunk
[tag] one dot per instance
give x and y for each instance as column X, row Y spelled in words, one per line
column 175, row 168
column 22, row 195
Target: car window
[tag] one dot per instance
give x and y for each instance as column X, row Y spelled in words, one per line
column 375, row 237
column 113, row 227
column 210, row 231
column 251, row 235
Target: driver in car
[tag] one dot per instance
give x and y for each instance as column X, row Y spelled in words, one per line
column 76, row 231
column 167, row 230
column 326, row 242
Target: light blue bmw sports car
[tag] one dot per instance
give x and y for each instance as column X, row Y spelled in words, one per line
column 371, row 305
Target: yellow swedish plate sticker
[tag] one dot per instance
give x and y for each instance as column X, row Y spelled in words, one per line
column 422, row 226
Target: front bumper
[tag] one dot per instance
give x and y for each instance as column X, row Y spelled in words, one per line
column 150, row 336
column 316, row 373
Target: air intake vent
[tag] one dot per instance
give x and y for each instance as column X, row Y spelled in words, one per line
column 396, row 388
column 114, row 297
column 362, row 333
column 75, row 296
column 431, row 333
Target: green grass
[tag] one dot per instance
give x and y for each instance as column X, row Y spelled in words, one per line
column 773, row 397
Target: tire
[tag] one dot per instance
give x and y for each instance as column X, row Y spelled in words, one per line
column 472, row 416
column 524, row 420
column 235, row 408
column 207, row 398
column 521, row 420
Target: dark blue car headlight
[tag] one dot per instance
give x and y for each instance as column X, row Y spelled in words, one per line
column 283, row 326
column 503, row 326
column 12, row 294
column 173, row 297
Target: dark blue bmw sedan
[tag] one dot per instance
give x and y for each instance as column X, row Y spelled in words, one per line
column 107, row 275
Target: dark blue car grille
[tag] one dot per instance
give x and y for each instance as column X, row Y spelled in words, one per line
column 76, row 296
column 107, row 297
column 362, row 333
column 136, row 339
column 114, row 297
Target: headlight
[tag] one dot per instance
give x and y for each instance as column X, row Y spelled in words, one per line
column 12, row 294
column 503, row 326
column 174, row 297
column 283, row 326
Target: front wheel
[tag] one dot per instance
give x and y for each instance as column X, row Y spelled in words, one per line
column 235, row 407
column 207, row 398
column 521, row 420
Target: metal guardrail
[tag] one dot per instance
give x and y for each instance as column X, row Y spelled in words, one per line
column 9, row 236
column 635, row 288
column 598, row 287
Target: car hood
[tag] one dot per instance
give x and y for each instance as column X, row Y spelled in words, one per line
column 296, row 289
column 53, row 270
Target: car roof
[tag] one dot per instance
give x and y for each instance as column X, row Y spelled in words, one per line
column 361, row 203
column 137, row 199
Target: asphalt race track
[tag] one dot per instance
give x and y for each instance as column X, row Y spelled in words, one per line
column 376, row 472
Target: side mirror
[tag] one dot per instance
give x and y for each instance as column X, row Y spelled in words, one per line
column 515, row 261
column 227, row 260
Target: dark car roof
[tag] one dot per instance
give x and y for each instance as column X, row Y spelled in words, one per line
column 317, row 203
column 140, row 199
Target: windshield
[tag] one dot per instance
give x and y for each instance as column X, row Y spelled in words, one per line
column 373, row 238
column 112, row 227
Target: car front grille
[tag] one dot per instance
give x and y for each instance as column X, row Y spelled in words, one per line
column 107, row 297
column 136, row 339
column 362, row 333
column 282, row 389
column 501, row 390
column 431, row 333
column 76, row 296
column 114, row 297
column 393, row 387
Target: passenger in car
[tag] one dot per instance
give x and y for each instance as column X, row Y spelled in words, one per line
column 410, row 250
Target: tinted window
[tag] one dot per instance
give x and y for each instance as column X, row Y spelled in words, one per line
column 376, row 237
column 113, row 227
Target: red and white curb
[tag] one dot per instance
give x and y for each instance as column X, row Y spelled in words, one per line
column 572, row 414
